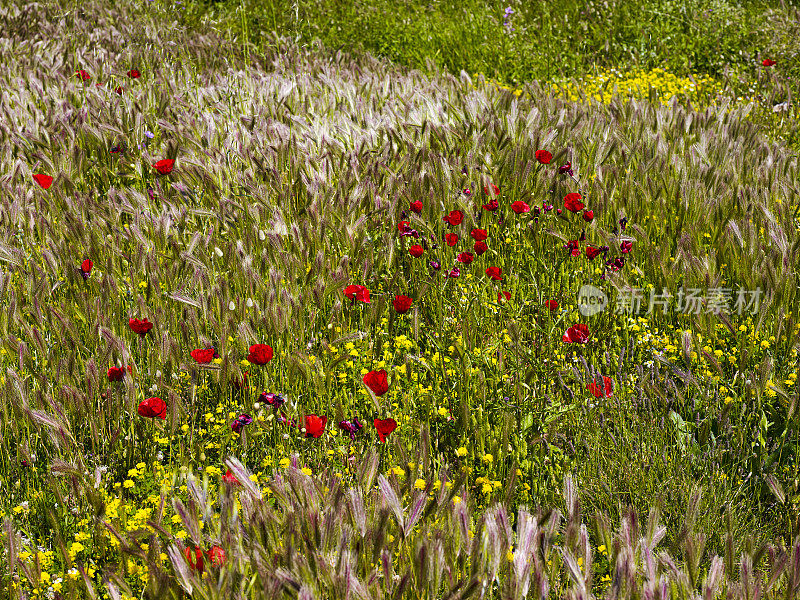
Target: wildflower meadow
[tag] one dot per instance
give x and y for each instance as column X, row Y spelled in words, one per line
column 285, row 320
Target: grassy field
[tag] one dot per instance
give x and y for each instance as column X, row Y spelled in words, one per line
column 282, row 320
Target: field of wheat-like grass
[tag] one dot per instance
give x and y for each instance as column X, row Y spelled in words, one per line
column 295, row 323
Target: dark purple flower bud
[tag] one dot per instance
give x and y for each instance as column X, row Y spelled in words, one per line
column 454, row 273
column 351, row 428
column 240, row 421
column 623, row 222
column 274, row 400
column 565, row 169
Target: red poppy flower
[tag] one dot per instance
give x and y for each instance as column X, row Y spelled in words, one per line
column 384, row 427
column 260, row 354
column 195, row 558
column 377, row 381
column 451, row 239
column 119, row 90
column 565, row 168
column 604, row 391
column 45, row 181
column 116, row 374
column 592, row 252
column 577, row 334
column 495, row 189
column 520, row 207
column 140, row 326
column 86, row 268
column 552, row 305
column 152, row 408
column 402, row 226
column 134, row 74
column 230, row 478
column 454, row 218
column 402, row 304
column 494, row 273
column 544, row 157
column 491, row 206
column 416, row 250
column 503, row 297
column 465, row 257
column 357, row 292
column 480, row 248
column 82, row 75
column 203, row 355
column 626, row 246
column 416, row 207
column 216, row 555
column 164, row 166
column 478, row 235
column 768, row 62
column 573, row 202
column 315, row 425
column 588, row 215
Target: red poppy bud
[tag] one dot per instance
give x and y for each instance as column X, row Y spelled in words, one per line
column 140, row 326
column 384, row 427
column 588, row 215
column 260, row 354
column 494, row 273
column 357, row 292
column 478, row 234
column 195, row 558
column 45, row 181
column 577, row 334
column 230, row 478
column 377, row 381
column 116, row 374
column 315, row 426
column 503, row 297
column 164, row 166
column 203, row 355
column 402, row 304
column 134, row 74
column 152, row 408
column 416, row 250
column 572, row 202
column 520, row 207
column 552, row 305
column 604, row 390
column 454, row 218
column 216, row 555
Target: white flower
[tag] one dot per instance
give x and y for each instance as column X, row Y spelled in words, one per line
column 261, row 235
column 217, row 251
column 232, row 305
column 249, row 303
